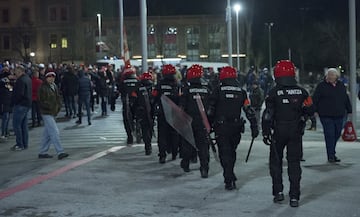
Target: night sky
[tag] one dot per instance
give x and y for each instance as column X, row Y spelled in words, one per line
column 296, row 24
column 264, row 9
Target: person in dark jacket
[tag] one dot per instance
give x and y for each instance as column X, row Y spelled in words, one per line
column 102, row 90
column 21, row 100
column 196, row 87
column 128, row 87
column 50, row 105
column 168, row 138
column 286, row 104
column 84, row 94
column 69, row 86
column 225, row 104
column 6, row 90
column 332, row 104
column 143, row 106
column 257, row 99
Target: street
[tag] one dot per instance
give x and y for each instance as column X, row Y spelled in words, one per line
column 103, row 177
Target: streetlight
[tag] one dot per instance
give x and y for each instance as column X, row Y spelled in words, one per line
column 99, row 26
column 229, row 32
column 32, row 55
column 269, row 25
column 237, row 8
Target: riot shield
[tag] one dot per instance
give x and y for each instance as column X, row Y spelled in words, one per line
column 206, row 125
column 178, row 119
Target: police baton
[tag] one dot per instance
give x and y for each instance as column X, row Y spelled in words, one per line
column 248, row 154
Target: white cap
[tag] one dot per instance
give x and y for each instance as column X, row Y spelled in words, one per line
column 41, row 65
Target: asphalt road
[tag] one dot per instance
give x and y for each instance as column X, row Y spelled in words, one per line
column 104, row 177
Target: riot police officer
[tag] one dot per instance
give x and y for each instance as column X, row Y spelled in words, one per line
column 128, row 86
column 143, row 105
column 286, row 103
column 225, row 104
column 197, row 87
column 168, row 139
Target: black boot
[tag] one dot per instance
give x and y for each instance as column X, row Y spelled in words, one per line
column 294, row 202
column 130, row 140
column 162, row 159
column 78, row 121
column 278, row 197
column 148, row 149
column 230, row 185
column 204, row 172
column 184, row 164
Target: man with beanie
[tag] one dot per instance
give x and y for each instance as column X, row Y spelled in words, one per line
column 50, row 105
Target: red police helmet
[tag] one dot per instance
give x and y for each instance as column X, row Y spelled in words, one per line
column 227, row 72
column 146, row 76
column 195, row 71
column 284, row 68
column 168, row 69
column 128, row 71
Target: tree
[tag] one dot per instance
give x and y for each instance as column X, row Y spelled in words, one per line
column 22, row 36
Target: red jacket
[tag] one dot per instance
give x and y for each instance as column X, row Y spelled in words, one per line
column 36, row 82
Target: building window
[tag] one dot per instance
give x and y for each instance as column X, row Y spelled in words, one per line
column 53, row 41
column 170, row 42
column 64, row 42
column 214, row 37
column 193, row 43
column 52, row 14
column 6, row 42
column 5, row 16
column 25, row 15
column 64, row 14
column 152, row 50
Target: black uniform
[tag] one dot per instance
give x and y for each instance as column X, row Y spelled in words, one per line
column 283, row 114
column 144, row 114
column 128, row 88
column 196, row 86
column 225, row 104
column 168, row 138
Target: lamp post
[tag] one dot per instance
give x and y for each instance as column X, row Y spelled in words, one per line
column 121, row 16
column 352, row 57
column 143, row 17
column 229, row 32
column 237, row 8
column 99, row 26
column 269, row 25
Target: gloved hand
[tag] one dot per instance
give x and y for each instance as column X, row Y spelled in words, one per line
column 254, row 131
column 267, row 139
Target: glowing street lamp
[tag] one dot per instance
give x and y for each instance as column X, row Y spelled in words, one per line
column 237, row 8
column 99, row 26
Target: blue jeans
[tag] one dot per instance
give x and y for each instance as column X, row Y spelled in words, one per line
column 20, row 125
column 50, row 135
column 332, row 131
column 5, row 123
column 84, row 100
column 70, row 105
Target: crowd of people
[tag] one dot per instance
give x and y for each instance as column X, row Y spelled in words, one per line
column 214, row 102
